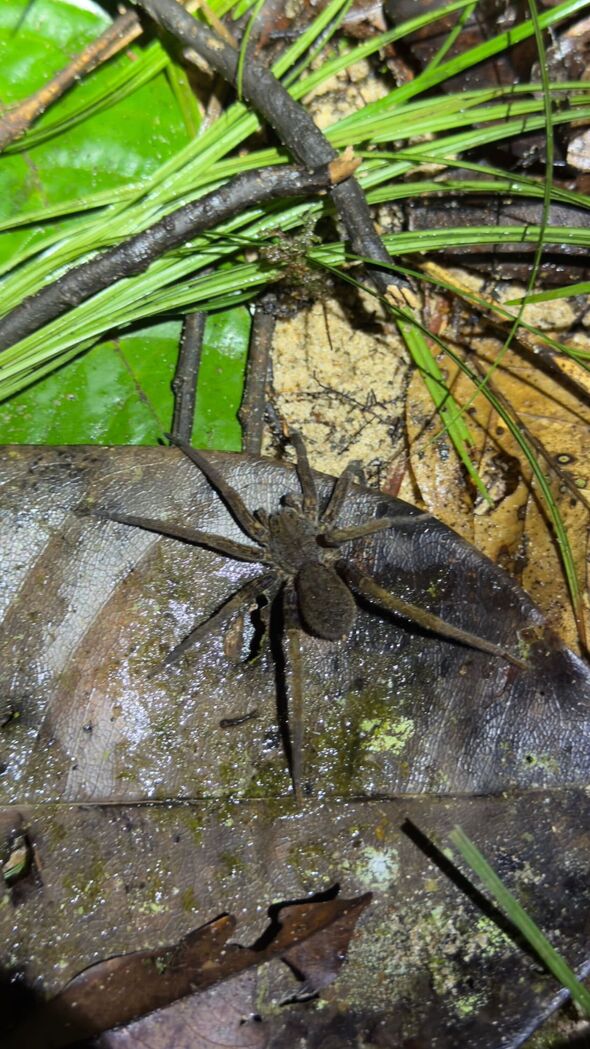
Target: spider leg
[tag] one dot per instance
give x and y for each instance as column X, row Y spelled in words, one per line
column 309, row 492
column 294, row 688
column 244, row 596
column 227, row 547
column 247, row 521
column 340, row 491
column 364, row 585
column 335, row 536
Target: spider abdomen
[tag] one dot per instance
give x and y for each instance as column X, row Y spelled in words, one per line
column 326, row 605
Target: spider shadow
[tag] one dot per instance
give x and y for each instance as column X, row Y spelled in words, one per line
column 276, row 632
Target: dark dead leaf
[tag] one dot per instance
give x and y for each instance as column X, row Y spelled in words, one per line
column 317, row 959
column 121, row 989
column 147, row 817
column 222, row 1017
column 392, row 709
column 505, row 261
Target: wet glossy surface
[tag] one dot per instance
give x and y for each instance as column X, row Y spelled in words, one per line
column 145, row 818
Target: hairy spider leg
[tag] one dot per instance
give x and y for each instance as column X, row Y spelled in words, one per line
column 247, row 521
column 242, row 597
column 335, row 536
column 309, row 492
column 340, row 491
column 294, row 687
column 364, row 585
column 227, row 547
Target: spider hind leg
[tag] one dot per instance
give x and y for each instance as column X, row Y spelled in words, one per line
column 293, row 726
column 369, row 589
column 243, row 597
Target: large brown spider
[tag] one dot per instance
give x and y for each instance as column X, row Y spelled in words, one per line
column 299, row 543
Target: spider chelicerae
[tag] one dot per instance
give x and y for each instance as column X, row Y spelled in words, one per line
column 300, row 546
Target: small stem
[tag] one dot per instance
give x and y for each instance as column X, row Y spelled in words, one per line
column 184, row 383
column 251, row 413
column 294, row 126
column 16, row 121
column 134, row 256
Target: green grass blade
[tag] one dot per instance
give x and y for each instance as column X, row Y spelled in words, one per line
column 449, row 411
column 455, row 32
column 244, row 46
column 522, row 31
column 308, row 38
column 566, row 292
column 185, row 97
column 348, row 57
column 523, row 922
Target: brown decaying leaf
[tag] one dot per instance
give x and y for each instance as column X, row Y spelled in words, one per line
column 121, row 989
column 222, row 1017
column 91, row 609
column 390, row 710
column 422, row 959
column 515, row 531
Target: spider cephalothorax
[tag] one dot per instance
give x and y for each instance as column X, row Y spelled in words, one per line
column 299, row 545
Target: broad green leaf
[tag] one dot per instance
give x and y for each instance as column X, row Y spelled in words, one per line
column 108, row 150
column 119, row 391
column 221, row 380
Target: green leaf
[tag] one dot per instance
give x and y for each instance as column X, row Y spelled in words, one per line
column 221, row 381
column 117, row 393
column 120, row 391
column 110, row 149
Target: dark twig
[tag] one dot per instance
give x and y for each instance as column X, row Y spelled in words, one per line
column 251, row 413
column 184, row 384
column 15, row 122
column 134, row 256
column 294, row 126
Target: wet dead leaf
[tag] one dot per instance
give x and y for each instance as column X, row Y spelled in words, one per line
column 222, row 1017
column 515, row 531
column 121, row 989
column 92, row 607
column 147, row 817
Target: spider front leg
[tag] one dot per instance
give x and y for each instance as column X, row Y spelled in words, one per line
column 374, row 593
column 309, row 502
column 340, row 491
column 227, row 547
column 247, row 521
